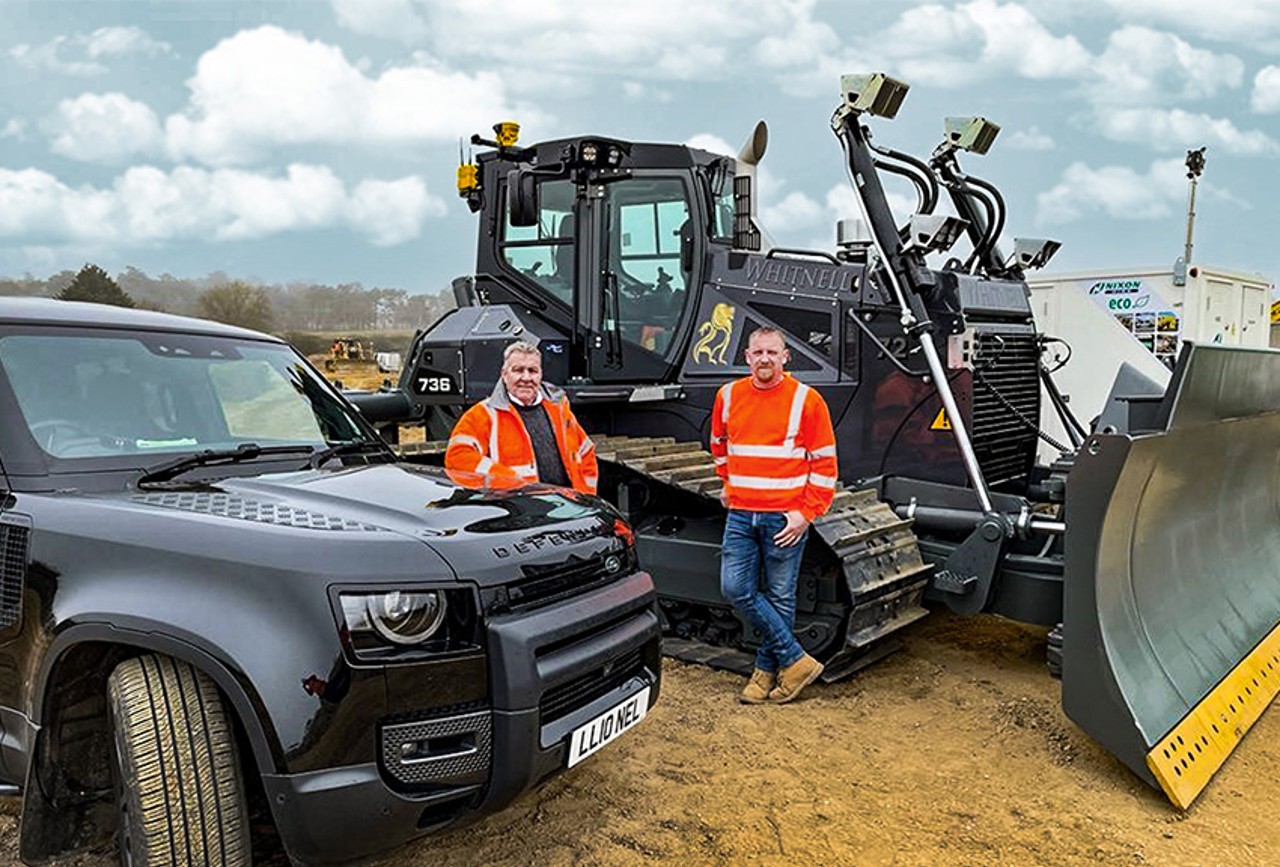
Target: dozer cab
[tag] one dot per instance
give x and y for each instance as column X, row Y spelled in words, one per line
column 640, row 269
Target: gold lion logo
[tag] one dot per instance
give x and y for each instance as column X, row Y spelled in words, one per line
column 715, row 335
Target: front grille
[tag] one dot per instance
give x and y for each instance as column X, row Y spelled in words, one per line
column 13, row 570
column 1006, row 404
column 545, row 585
column 562, row 700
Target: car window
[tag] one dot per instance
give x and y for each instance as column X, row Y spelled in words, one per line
column 92, row 395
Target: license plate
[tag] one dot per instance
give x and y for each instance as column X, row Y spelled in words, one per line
column 588, row 738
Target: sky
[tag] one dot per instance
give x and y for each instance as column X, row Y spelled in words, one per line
column 317, row 141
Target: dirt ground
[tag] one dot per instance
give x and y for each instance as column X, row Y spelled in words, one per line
column 954, row 751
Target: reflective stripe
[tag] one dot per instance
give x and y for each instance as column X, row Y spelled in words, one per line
column 587, row 445
column 721, row 461
column 590, row 480
column 493, row 430
column 824, row 452
column 484, row 466
column 797, row 409
column 767, row 484
column 464, row 440
column 718, row 440
column 821, row 481
column 754, row 451
column 725, row 390
column 528, row 471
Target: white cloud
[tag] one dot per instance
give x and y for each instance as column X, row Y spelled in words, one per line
column 1174, row 128
column 797, row 46
column 391, row 212
column 951, row 47
column 46, row 58
column 14, row 127
column 107, row 128
column 83, row 51
column 267, row 87
column 795, row 212
column 842, row 204
column 657, row 39
column 147, row 205
column 120, row 41
column 1116, row 191
column 1031, row 139
column 390, row 19
column 711, row 143
column 1266, row 90
column 930, row 44
column 1143, row 66
column 1248, row 21
column 638, row 92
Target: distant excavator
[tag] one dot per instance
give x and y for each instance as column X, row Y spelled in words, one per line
column 1153, row 541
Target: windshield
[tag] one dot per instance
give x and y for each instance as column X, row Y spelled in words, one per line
column 96, row 394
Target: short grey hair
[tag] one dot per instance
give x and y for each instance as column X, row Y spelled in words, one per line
column 520, row 347
column 767, row 331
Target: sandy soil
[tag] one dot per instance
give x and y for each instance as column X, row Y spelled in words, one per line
column 952, row 752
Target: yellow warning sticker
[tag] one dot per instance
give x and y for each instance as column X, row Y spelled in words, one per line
column 940, row 421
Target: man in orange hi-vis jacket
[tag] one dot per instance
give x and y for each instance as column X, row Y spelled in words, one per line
column 776, row 451
column 524, row 431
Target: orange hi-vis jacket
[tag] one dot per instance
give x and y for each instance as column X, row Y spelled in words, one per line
column 774, row 447
column 491, row 439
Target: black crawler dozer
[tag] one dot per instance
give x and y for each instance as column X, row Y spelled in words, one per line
column 639, row 269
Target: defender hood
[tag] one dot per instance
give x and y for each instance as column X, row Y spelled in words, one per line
column 488, row 535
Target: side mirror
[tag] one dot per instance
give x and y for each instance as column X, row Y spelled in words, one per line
column 686, row 247
column 719, row 173
column 522, row 198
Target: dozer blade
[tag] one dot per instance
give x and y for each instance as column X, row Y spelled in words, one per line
column 1172, row 587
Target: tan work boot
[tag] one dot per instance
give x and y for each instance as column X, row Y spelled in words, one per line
column 757, row 689
column 794, row 678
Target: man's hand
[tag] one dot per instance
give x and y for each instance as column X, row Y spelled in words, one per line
column 790, row 534
column 724, row 498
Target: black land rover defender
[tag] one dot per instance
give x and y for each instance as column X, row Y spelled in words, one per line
column 221, row 595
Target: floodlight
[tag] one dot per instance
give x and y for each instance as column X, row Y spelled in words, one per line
column 933, row 232
column 972, row 134
column 852, row 231
column 508, row 132
column 876, row 94
column 853, row 240
column 1033, row 252
column 1195, row 163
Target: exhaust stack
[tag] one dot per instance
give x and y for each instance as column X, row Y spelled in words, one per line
column 747, row 234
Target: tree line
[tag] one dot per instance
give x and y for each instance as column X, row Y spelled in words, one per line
column 279, row 308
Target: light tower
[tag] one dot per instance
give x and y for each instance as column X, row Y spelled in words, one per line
column 1195, row 166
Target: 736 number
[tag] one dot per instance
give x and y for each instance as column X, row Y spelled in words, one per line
column 435, row 385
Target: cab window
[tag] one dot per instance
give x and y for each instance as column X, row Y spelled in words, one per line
column 544, row 253
column 647, row 217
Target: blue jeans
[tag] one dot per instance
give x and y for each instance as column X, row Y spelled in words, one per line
column 758, row 578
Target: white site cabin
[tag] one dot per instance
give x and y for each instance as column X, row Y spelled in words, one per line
column 1142, row 317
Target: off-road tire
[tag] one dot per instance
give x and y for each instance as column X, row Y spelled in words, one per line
column 180, row 794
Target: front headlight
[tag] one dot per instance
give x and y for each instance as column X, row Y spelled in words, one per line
column 406, row 618
column 400, row 625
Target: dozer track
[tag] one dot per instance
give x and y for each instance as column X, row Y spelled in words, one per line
column 875, row 550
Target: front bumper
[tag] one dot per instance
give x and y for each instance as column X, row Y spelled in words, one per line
column 551, row 670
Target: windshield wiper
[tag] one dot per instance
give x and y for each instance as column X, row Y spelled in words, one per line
column 351, row 447
column 213, row 457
